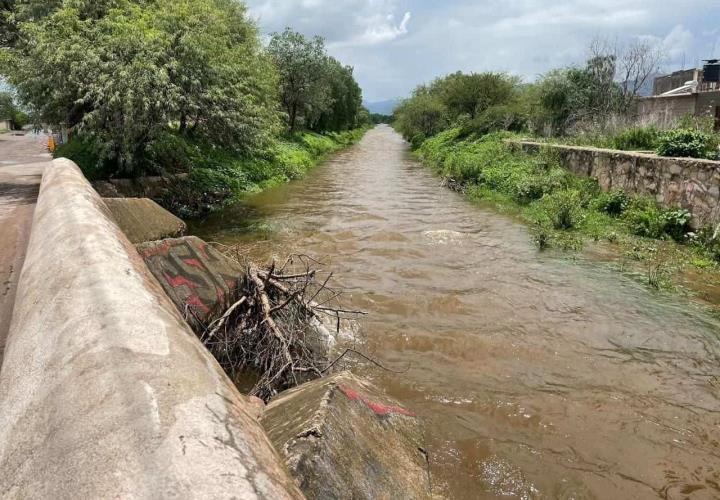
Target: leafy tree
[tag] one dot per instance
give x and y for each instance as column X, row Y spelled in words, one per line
column 420, row 117
column 10, row 110
column 343, row 109
column 303, row 69
column 119, row 71
column 472, row 94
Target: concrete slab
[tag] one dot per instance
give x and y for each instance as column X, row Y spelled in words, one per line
column 141, row 219
column 200, row 280
column 22, row 161
column 342, row 438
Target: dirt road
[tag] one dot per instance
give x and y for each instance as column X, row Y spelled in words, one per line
column 22, row 160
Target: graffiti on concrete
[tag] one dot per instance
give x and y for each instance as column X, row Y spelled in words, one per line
column 377, row 408
column 200, row 280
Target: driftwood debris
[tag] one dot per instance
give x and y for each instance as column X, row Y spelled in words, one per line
column 275, row 327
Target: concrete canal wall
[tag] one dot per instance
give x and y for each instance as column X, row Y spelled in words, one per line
column 674, row 182
column 105, row 392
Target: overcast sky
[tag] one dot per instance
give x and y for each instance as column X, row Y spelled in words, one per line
column 396, row 44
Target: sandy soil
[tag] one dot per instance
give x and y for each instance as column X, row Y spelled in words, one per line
column 22, row 160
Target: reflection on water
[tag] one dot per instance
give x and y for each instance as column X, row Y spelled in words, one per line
column 537, row 376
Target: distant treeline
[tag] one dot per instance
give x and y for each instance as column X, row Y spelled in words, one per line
column 378, row 118
column 567, row 100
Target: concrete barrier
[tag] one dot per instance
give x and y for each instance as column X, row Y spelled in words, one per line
column 105, row 392
column 141, row 219
column 343, row 438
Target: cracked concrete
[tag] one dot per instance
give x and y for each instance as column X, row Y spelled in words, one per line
column 22, row 160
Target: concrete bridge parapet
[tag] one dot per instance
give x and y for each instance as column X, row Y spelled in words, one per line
column 105, row 392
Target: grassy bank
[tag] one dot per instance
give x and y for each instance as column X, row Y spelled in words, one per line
column 217, row 177
column 567, row 211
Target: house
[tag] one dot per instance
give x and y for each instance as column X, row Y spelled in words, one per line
column 5, row 124
column 694, row 91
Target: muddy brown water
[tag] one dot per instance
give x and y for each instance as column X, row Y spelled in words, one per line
column 537, row 375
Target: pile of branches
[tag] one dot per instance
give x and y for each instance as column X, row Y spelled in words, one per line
column 275, row 329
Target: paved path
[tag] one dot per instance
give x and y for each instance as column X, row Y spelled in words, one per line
column 22, row 160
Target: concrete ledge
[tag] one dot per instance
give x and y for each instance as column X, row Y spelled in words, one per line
column 105, row 392
column 690, row 183
column 141, row 219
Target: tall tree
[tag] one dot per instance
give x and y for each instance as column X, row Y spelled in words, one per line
column 303, row 69
column 121, row 70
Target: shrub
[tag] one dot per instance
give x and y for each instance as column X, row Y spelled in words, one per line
column 501, row 117
column 613, row 203
column 677, row 223
column 637, row 138
column 169, row 153
column 563, row 209
column 85, row 153
column 644, row 218
column 687, row 143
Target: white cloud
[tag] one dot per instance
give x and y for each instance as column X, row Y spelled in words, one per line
column 393, row 50
column 382, row 30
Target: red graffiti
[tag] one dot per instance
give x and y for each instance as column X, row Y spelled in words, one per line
column 201, row 248
column 179, row 281
column 194, row 300
column 377, row 408
column 193, row 263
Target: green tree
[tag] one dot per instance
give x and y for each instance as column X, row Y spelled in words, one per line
column 119, row 71
column 345, row 104
column 10, row 110
column 472, row 94
column 303, row 69
column 420, row 117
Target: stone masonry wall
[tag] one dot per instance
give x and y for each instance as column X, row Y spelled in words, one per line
column 674, row 182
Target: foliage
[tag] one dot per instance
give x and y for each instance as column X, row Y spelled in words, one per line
column 478, row 102
column 86, row 153
column 561, row 207
column 316, row 91
column 677, row 223
column 11, row 111
column 119, row 71
column 688, row 143
column 644, row 218
column 378, row 118
column 636, row 139
column 219, row 176
column 421, row 117
column 613, row 203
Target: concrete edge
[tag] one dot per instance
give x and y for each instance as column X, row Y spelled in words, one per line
column 619, row 152
column 105, row 392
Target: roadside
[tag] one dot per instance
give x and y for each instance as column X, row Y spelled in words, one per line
column 22, row 161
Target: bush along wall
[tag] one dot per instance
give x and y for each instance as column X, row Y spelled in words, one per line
column 563, row 209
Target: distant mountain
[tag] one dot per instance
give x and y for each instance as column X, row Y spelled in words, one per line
column 382, row 107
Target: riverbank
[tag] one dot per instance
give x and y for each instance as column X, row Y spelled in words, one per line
column 537, row 374
column 571, row 212
column 197, row 178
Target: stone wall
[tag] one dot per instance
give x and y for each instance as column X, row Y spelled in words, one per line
column 674, row 182
column 665, row 111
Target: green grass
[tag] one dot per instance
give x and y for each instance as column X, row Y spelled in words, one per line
column 217, row 177
column 567, row 211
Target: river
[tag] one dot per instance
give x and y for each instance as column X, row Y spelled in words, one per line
column 537, row 375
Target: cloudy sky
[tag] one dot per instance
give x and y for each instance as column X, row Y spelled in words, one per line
column 396, row 44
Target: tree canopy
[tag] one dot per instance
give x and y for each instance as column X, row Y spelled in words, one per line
column 121, row 70
column 316, row 90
